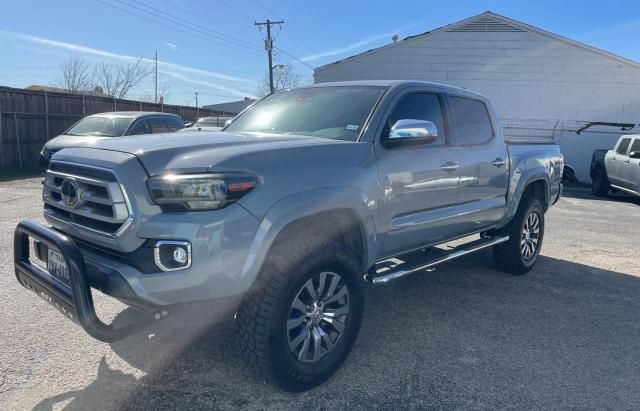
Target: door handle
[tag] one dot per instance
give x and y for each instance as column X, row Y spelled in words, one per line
column 449, row 166
column 627, row 161
column 498, row 162
column 613, row 159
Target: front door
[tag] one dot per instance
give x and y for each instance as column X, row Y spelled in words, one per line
column 614, row 161
column 419, row 182
column 484, row 168
column 630, row 175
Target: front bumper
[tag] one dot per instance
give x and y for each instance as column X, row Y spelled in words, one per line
column 74, row 301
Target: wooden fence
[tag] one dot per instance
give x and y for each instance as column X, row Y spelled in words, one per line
column 29, row 118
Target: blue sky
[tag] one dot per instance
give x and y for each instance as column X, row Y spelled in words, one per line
column 220, row 52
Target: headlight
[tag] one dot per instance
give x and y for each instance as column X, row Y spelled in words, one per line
column 45, row 152
column 199, row 191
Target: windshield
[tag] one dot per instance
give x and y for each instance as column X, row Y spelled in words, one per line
column 331, row 112
column 100, row 126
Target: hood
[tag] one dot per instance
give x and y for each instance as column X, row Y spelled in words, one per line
column 64, row 141
column 199, row 150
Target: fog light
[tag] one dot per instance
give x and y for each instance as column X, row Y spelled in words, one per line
column 172, row 255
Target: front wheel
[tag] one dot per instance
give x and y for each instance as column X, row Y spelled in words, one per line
column 298, row 327
column 526, row 231
column 600, row 184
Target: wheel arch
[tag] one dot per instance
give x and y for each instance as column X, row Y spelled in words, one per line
column 341, row 225
column 337, row 214
column 537, row 183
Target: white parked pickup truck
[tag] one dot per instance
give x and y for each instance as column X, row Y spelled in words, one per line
column 617, row 169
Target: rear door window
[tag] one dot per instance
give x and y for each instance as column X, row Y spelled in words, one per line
column 174, row 124
column 141, row 127
column 472, row 121
column 635, row 146
column 158, row 125
column 623, row 146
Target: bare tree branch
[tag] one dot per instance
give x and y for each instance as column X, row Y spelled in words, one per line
column 283, row 77
column 131, row 75
column 164, row 92
column 75, row 75
column 118, row 80
column 106, row 77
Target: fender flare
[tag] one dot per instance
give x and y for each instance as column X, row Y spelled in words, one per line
column 306, row 204
column 530, row 176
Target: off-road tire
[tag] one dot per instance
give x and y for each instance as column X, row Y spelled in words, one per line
column 600, row 184
column 509, row 255
column 263, row 314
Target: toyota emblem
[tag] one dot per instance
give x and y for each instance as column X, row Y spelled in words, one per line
column 70, row 191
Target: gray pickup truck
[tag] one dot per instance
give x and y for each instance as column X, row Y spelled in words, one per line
column 617, row 169
column 284, row 216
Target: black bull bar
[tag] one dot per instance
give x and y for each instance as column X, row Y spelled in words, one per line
column 74, row 301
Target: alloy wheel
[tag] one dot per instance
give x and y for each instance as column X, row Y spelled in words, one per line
column 530, row 236
column 317, row 317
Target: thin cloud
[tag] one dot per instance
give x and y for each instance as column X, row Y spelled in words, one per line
column 171, row 45
column 356, row 45
column 123, row 57
column 205, row 83
column 348, row 48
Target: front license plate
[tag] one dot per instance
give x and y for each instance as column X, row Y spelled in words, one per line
column 57, row 267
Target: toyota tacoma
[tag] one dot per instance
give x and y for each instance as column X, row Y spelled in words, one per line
column 284, row 216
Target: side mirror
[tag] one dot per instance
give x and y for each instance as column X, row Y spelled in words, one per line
column 416, row 131
column 634, row 154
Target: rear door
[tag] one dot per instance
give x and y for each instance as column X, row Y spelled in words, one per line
column 483, row 164
column 158, row 125
column 614, row 161
column 630, row 175
column 174, row 124
column 141, row 126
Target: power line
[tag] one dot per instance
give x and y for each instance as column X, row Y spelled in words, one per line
column 283, row 51
column 196, row 26
column 270, row 12
column 145, row 17
column 191, row 26
column 289, row 25
column 236, row 10
column 202, row 17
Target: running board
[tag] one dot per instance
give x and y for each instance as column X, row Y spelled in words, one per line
column 405, row 264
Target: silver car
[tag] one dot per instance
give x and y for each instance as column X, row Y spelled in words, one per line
column 107, row 125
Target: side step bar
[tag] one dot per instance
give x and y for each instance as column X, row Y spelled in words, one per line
column 405, row 264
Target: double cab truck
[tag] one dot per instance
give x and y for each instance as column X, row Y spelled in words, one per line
column 617, row 169
column 282, row 218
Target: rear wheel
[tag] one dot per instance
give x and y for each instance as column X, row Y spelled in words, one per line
column 600, row 184
column 526, row 232
column 297, row 327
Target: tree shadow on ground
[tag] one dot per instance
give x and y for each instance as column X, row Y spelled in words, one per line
column 464, row 335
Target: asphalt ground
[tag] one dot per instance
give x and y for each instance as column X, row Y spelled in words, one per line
column 566, row 335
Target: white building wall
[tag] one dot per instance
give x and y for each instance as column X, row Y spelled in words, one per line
column 540, row 86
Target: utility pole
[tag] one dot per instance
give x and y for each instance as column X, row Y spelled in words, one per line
column 156, row 77
column 268, row 45
column 197, row 108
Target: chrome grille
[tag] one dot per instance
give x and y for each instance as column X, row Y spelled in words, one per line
column 88, row 197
